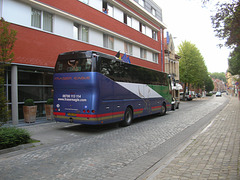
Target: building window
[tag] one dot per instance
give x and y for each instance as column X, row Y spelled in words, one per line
column 108, row 41
column 76, row 31
column 128, row 48
column 84, row 1
column 47, row 21
column 80, row 32
column 153, row 11
column 141, row 2
column 84, row 33
column 143, row 53
column 105, row 7
column 155, row 57
column 42, row 19
column 142, row 28
column 154, row 35
column 36, row 18
column 36, row 84
column 127, row 20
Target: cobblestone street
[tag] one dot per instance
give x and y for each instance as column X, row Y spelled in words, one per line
column 214, row 154
column 111, row 153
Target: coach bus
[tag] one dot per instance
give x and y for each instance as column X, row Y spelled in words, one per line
column 95, row 88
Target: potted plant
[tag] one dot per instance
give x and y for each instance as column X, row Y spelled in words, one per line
column 29, row 111
column 49, row 109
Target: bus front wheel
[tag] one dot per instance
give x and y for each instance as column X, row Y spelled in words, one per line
column 128, row 116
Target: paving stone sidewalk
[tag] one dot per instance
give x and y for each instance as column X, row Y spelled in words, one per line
column 214, row 154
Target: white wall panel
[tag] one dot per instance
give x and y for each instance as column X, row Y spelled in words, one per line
column 136, row 51
column 118, row 45
column 16, row 12
column 63, row 27
column 135, row 24
column 118, row 14
column 149, row 32
column 149, row 56
column 97, row 4
column 95, row 37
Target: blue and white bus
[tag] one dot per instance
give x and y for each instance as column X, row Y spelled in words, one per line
column 95, row 88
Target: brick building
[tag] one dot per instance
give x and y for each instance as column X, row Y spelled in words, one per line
column 46, row 28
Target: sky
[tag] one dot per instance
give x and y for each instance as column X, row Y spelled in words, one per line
column 187, row 20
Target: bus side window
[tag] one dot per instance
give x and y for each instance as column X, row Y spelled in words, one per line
column 73, row 65
column 59, row 66
column 88, row 65
column 105, row 67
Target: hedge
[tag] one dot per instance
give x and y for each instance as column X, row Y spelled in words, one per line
column 12, row 136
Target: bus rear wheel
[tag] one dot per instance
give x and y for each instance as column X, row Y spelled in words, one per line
column 128, row 116
column 164, row 109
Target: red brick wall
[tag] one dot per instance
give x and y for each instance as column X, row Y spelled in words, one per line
column 92, row 15
column 40, row 48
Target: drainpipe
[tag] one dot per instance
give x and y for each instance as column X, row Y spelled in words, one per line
column 1, row 8
column 162, row 39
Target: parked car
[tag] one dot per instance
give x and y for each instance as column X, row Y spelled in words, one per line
column 188, row 96
column 218, row 94
column 198, row 95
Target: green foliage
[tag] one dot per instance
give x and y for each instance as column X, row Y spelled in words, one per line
column 4, row 112
column 209, row 86
column 234, row 62
column 50, row 101
column 220, row 76
column 7, row 40
column 192, row 68
column 226, row 22
column 29, row 102
column 209, row 94
column 12, row 136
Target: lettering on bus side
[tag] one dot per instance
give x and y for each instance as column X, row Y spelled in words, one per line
column 72, row 98
column 63, row 78
column 70, row 78
column 82, row 78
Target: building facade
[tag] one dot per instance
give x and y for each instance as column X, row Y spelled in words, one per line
column 219, row 85
column 172, row 65
column 232, row 85
column 46, row 28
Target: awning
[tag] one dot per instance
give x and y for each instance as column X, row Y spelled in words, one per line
column 177, row 87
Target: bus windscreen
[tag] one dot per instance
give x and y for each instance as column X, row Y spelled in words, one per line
column 73, row 65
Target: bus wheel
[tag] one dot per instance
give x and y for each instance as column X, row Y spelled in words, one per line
column 164, row 109
column 177, row 106
column 128, row 116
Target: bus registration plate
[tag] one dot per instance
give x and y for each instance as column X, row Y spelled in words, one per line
column 72, row 114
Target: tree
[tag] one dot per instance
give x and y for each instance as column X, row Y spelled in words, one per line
column 226, row 22
column 209, row 86
column 234, row 62
column 7, row 40
column 219, row 75
column 192, row 68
